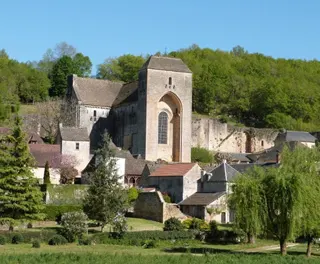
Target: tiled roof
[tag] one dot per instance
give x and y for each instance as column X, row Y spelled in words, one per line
column 242, row 157
column 31, row 136
column 298, row 136
column 202, row 198
column 46, row 152
column 96, row 92
column 224, row 172
column 176, row 169
column 166, row 64
column 74, row 134
column 128, row 93
column 242, row 168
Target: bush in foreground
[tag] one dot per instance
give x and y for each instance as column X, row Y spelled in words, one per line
column 57, row 240
column 17, row 239
column 3, row 240
column 173, row 224
column 36, row 243
column 74, row 225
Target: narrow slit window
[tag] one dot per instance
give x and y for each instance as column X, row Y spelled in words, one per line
column 170, row 81
column 94, row 113
column 163, row 128
column 77, row 146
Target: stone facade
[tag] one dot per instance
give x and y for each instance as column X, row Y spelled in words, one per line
column 150, row 205
column 214, row 135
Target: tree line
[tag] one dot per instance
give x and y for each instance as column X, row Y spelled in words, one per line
column 236, row 86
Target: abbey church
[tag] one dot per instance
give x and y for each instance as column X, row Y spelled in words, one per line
column 151, row 117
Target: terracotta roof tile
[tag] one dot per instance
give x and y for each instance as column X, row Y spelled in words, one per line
column 176, row 169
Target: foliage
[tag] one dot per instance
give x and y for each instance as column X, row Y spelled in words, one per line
column 201, row 155
column 29, row 236
column 166, row 197
column 133, row 194
column 246, row 202
column 150, row 244
column 106, row 196
column 20, row 195
column 3, row 240
column 85, row 241
column 68, row 174
column 124, row 68
column 119, row 225
column 74, row 225
column 57, row 240
column 36, row 243
column 46, row 176
column 173, row 224
column 17, row 239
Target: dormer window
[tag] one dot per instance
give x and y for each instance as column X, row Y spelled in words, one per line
column 170, row 81
column 77, row 146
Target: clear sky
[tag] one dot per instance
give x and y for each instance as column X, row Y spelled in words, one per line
column 109, row 28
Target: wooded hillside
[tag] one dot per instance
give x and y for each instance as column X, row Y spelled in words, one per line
column 251, row 89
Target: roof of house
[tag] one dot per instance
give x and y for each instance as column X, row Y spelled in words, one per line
column 175, row 169
column 202, row 198
column 31, row 136
column 128, row 93
column 298, row 136
column 96, row 92
column 74, row 134
column 166, row 64
column 46, row 152
column 242, row 157
column 224, row 172
column 242, row 168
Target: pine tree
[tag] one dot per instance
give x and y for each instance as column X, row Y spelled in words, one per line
column 20, row 195
column 106, row 199
column 46, row 176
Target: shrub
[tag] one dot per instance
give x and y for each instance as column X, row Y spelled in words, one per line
column 3, row 240
column 85, row 241
column 187, row 223
column 150, row 244
column 57, row 240
column 133, row 194
column 74, row 225
column 166, row 197
column 201, row 155
column 213, row 226
column 173, row 224
column 29, row 225
column 17, row 239
column 29, row 236
column 36, row 243
column 53, row 212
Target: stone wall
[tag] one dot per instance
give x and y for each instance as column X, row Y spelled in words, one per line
column 151, row 205
column 213, row 135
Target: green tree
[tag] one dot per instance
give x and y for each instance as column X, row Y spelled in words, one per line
column 20, row 195
column 46, row 175
column 124, row 68
column 60, row 71
column 247, row 203
column 106, row 198
column 82, row 65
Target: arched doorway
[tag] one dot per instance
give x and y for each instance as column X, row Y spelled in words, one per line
column 169, row 127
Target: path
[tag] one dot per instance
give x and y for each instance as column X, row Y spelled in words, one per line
column 267, row 248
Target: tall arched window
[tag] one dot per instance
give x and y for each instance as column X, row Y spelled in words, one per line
column 163, row 128
column 170, row 80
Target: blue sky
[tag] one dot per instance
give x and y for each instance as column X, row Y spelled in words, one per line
column 104, row 28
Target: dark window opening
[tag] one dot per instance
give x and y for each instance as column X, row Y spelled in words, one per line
column 170, row 81
column 163, row 128
column 77, row 146
column 262, row 143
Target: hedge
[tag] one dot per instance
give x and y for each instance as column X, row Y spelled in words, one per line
column 138, row 237
column 29, row 236
column 53, row 211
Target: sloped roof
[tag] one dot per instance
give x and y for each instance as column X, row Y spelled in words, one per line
column 46, row 152
column 202, row 198
column 175, row 169
column 242, row 168
column 128, row 93
column 298, row 136
column 238, row 156
column 96, row 92
column 166, row 64
column 31, row 136
column 224, row 172
column 74, row 134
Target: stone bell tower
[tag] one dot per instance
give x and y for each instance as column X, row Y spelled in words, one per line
column 165, row 110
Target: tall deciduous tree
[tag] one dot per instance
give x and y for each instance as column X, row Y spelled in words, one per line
column 82, row 65
column 124, row 68
column 20, row 195
column 106, row 197
column 247, row 203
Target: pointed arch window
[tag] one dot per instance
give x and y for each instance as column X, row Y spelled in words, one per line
column 163, row 128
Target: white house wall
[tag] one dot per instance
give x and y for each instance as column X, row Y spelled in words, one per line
column 54, row 175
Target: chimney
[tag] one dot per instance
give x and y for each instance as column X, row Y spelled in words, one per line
column 203, row 172
column 224, row 161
